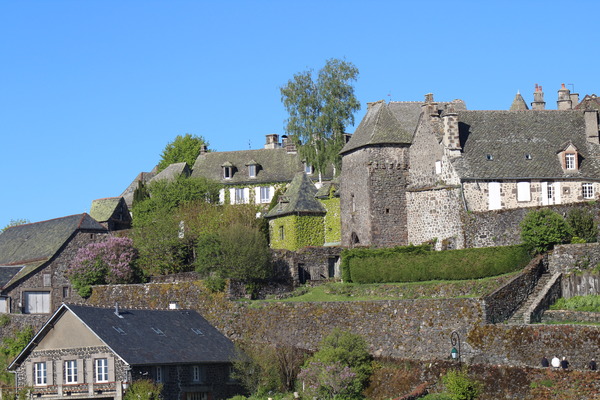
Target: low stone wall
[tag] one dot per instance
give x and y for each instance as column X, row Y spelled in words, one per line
column 549, row 295
column 503, row 302
column 570, row 316
column 315, row 263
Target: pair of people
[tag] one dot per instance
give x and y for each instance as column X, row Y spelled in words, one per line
column 556, row 362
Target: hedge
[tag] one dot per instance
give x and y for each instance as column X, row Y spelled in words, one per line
column 420, row 263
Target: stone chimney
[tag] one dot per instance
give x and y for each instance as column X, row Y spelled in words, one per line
column 564, row 99
column 538, row 99
column 451, row 139
column 591, row 125
column 203, row 149
column 272, row 141
column 288, row 145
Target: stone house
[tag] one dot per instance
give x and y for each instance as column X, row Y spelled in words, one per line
column 91, row 352
column 410, row 182
column 112, row 213
column 34, row 258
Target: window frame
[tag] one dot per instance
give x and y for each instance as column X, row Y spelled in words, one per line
column 159, row 374
column 40, row 375
column 263, row 198
column 240, row 199
column 101, row 370
column 570, row 161
column 227, row 172
column 252, row 171
column 198, row 374
column 587, row 190
column 71, row 372
column 281, row 232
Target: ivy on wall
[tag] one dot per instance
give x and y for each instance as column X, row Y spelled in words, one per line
column 298, row 231
column 332, row 221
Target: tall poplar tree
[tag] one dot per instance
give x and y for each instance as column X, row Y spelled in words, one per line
column 320, row 110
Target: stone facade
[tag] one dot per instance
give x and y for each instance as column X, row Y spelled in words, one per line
column 51, row 278
column 310, row 263
column 373, row 202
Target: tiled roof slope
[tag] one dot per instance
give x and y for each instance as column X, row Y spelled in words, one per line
column 509, row 135
column 299, row 198
column 157, row 336
column 103, row 209
column 392, row 123
column 172, row 172
column 274, row 165
column 7, row 273
column 39, row 241
column 591, row 102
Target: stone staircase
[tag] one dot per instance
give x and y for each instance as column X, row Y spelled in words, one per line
column 521, row 316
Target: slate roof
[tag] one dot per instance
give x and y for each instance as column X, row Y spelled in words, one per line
column 103, row 209
column 299, row 198
column 148, row 337
column 32, row 245
column 518, row 103
column 509, row 135
column 8, row 272
column 392, row 123
column 172, row 172
column 591, row 102
column 274, row 165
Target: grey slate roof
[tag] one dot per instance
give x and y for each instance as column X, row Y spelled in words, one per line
column 172, row 172
column 299, row 198
column 148, row 337
column 8, row 272
column 589, row 102
column 392, row 123
column 31, row 245
column 509, row 135
column 274, row 165
column 518, row 103
column 41, row 240
column 103, row 209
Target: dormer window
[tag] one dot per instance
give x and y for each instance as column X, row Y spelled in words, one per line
column 489, row 157
column 227, row 170
column 528, row 156
column 252, row 169
column 308, row 169
column 570, row 161
column 569, row 157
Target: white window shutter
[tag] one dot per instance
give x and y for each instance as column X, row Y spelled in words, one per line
column 246, row 195
column 557, row 198
column 231, row 196
column 544, row 193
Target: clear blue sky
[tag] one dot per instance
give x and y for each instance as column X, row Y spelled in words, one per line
column 92, row 91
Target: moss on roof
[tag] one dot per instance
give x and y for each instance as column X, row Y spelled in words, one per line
column 299, row 198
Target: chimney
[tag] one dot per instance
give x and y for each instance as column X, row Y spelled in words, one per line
column 564, row 99
column 117, row 312
column 287, row 144
column 591, row 125
column 272, row 141
column 451, row 139
column 203, row 149
column 538, row 99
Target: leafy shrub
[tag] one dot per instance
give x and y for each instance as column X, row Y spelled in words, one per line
column 542, row 229
column 589, row 303
column 143, row 389
column 11, row 347
column 583, row 226
column 215, row 283
column 418, row 264
column 106, row 262
column 460, row 387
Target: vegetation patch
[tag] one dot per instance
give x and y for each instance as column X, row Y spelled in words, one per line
column 589, row 303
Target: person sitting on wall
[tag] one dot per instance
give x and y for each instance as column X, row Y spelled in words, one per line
column 564, row 363
column 556, row 362
column 545, row 362
column 592, row 365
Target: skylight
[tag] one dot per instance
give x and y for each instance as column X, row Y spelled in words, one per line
column 158, row 331
column 119, row 330
column 197, row 331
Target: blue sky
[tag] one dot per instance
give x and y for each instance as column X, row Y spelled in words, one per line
column 92, row 91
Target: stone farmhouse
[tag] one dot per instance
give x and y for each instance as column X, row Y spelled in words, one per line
column 96, row 353
column 412, row 171
column 34, row 258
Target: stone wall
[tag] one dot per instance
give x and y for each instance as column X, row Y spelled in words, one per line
column 574, row 257
column 501, row 227
column 310, row 263
column 585, row 284
column 409, row 329
column 435, row 213
column 570, row 316
column 503, row 302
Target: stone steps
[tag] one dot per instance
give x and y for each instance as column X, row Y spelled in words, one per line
column 518, row 318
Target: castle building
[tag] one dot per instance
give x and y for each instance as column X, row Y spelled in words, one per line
column 410, row 172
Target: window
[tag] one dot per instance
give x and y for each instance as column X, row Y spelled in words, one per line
column 40, row 374
column 101, row 370
column 198, row 374
column 227, row 172
column 65, row 291
column 36, row 302
column 265, row 194
column 438, row 167
column 71, row 371
column 159, row 374
column 588, row 190
column 252, row 171
column 550, row 194
column 196, row 396
column 240, row 197
column 281, row 233
column 570, row 161
column 523, row 191
column 308, row 169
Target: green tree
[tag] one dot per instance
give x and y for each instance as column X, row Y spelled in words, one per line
column 583, row 225
column 542, row 229
column 10, row 348
column 144, row 389
column 183, row 149
column 320, row 110
column 15, row 222
column 341, row 354
column 460, row 387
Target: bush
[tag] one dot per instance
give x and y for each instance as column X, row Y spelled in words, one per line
column 109, row 261
column 583, row 226
column 460, row 387
column 417, row 264
column 542, row 229
column 143, row 389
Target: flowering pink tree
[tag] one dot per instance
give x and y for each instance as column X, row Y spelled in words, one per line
column 109, row 261
column 327, row 381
